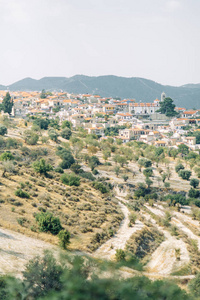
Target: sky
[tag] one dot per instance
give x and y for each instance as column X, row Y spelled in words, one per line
column 153, row 39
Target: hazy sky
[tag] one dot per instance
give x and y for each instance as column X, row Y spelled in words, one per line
column 154, row 39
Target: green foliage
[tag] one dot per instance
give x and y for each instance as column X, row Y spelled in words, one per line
column 193, row 193
column 87, row 175
column 30, row 137
column 185, row 174
column 43, row 94
column 132, row 218
column 42, row 276
column 173, row 199
column 120, row 255
column 67, row 158
column 66, row 133
column 42, row 167
column 148, row 181
column 3, row 129
column 53, row 134
column 148, row 172
column 194, row 286
column 93, row 162
column 141, row 191
column 42, row 123
column 125, row 177
column 64, row 238
column 79, row 278
column 179, row 167
column 143, row 162
column 7, row 103
column 59, row 170
column 183, row 149
column 167, row 108
column 67, row 124
column 6, row 156
column 70, row 179
column 101, row 187
column 22, row 194
column 194, row 182
column 113, row 131
column 48, row 223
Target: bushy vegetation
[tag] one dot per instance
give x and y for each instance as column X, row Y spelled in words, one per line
column 70, row 179
column 48, row 223
column 80, row 278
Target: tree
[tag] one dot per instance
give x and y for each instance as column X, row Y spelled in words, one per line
column 42, row 123
column 3, row 130
column 117, row 170
column 125, row 177
column 64, row 238
column 30, row 137
column 92, row 149
column 193, row 193
column 93, row 162
column 167, row 108
column 148, row 172
column 42, row 275
column 7, row 167
column 183, row 149
column 185, row 174
column 179, row 167
column 42, row 167
column 48, row 223
column 66, row 133
column 7, row 103
column 194, row 182
column 66, row 124
column 43, row 94
column 53, row 134
column 148, row 181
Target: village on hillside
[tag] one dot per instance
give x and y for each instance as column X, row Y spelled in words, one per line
column 122, row 119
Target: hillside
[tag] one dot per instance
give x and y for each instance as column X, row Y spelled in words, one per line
column 113, row 86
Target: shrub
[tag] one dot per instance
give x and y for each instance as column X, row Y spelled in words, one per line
column 22, row 194
column 193, row 193
column 48, row 223
column 6, row 156
column 70, row 179
column 194, row 182
column 64, row 238
column 120, row 255
column 66, row 133
column 59, row 170
column 185, row 174
column 42, row 167
column 148, row 172
column 101, row 187
column 30, row 137
column 179, row 167
column 87, row 175
column 3, row 130
column 132, row 219
column 76, row 168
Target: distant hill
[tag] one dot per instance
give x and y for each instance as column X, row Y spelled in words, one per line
column 113, row 86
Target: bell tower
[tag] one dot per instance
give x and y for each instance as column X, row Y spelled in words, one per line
column 163, row 96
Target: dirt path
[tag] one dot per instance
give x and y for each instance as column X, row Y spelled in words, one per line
column 107, row 250
column 163, row 260
column 17, row 249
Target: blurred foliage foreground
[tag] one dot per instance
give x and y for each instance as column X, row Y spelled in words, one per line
column 79, row 277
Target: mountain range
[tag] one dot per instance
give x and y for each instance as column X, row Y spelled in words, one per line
column 140, row 89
